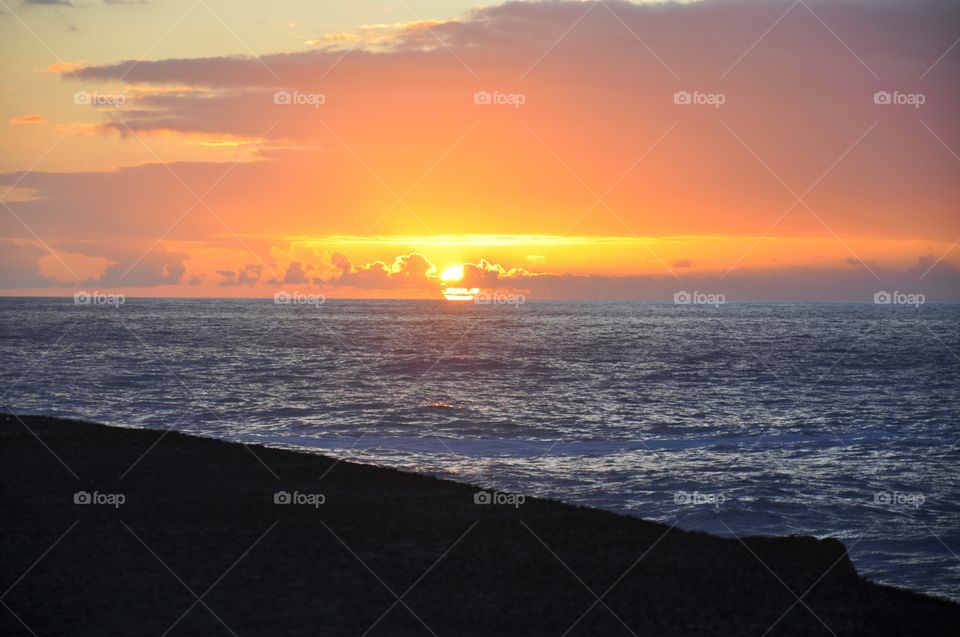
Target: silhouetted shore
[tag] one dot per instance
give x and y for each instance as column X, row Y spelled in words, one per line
column 185, row 534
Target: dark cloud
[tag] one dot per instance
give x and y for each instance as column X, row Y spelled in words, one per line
column 20, row 267
column 491, row 275
column 406, row 272
column 840, row 284
column 295, row 274
column 134, row 264
column 249, row 276
column 157, row 267
column 941, row 283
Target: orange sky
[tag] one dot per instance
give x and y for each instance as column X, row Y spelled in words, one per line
column 570, row 150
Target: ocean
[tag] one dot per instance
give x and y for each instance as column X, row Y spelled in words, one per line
column 837, row 420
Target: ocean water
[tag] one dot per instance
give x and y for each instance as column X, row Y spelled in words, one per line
column 835, row 420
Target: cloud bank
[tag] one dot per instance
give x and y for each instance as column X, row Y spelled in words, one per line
column 380, row 131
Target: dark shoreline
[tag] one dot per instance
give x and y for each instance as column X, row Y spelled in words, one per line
column 199, row 520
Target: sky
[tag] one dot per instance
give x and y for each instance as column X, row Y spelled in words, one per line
column 764, row 150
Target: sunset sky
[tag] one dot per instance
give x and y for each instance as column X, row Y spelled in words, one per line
column 357, row 149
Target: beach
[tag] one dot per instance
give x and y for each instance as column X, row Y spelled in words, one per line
column 112, row 530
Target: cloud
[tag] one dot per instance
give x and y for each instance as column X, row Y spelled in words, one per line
column 936, row 270
column 19, row 265
column 249, row 276
column 415, row 272
column 96, row 205
column 131, row 263
column 27, row 264
column 410, row 271
column 28, row 119
column 156, row 267
column 406, row 272
column 597, row 105
column 62, row 67
column 941, row 284
column 295, row 274
column 387, row 36
column 491, row 275
column 597, row 101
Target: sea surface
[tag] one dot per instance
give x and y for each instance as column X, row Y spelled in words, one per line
column 835, row 420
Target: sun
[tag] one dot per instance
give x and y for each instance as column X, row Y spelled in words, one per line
column 452, row 273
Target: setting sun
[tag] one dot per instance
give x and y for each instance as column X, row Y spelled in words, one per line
column 452, row 273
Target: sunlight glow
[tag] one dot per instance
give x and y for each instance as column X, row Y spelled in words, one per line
column 452, row 273
column 460, row 294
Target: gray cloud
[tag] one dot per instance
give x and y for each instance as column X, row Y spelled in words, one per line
column 295, row 274
column 248, row 276
column 19, row 266
column 136, row 264
column 407, row 271
column 941, row 284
